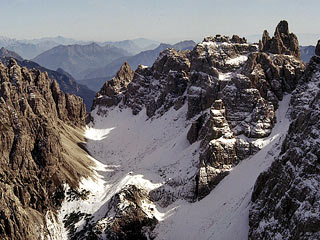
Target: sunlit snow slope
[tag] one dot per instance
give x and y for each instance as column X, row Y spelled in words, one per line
column 146, row 152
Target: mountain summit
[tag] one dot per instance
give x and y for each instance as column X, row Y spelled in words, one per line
column 283, row 42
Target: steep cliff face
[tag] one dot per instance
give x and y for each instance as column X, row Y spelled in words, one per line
column 176, row 129
column 40, row 129
column 285, row 200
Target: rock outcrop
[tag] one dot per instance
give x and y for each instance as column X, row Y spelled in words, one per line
column 39, row 152
column 111, row 92
column 285, row 199
column 126, row 218
column 283, row 42
column 66, row 82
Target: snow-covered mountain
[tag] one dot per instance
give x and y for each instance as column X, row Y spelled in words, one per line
column 179, row 146
column 217, row 142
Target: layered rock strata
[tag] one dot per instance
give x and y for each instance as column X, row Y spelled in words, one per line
column 40, row 132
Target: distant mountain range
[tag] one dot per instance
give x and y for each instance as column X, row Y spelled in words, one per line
column 65, row 80
column 95, row 78
column 78, row 58
column 307, row 52
column 90, row 63
column 134, row 46
column 29, row 49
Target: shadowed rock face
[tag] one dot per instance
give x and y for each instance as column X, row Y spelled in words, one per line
column 285, row 199
column 38, row 135
column 283, row 42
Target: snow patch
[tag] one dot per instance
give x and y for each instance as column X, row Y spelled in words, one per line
column 134, row 150
column 237, row 60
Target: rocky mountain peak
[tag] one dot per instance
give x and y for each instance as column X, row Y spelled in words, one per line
column 225, row 39
column 282, row 29
column 285, row 199
column 125, row 73
column 66, row 82
column 188, row 121
column 282, row 42
column 111, row 92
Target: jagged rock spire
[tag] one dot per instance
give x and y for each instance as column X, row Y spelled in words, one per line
column 283, row 42
column 109, row 93
column 282, row 28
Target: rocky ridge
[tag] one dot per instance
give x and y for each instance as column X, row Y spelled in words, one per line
column 225, row 91
column 66, row 82
column 285, row 200
column 231, row 90
column 40, row 150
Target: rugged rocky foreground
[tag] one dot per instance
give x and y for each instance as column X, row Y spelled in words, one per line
column 286, row 198
column 40, row 150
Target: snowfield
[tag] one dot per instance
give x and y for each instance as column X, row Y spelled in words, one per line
column 149, row 153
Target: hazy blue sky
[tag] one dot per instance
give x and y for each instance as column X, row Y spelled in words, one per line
column 163, row 20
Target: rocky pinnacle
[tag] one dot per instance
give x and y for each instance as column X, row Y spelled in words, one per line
column 283, row 42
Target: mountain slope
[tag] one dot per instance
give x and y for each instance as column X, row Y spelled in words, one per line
column 40, row 150
column 29, row 49
column 64, row 79
column 77, row 58
column 6, row 54
column 189, row 120
column 224, row 213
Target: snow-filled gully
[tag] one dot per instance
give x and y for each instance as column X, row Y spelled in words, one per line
column 131, row 149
